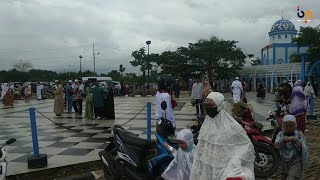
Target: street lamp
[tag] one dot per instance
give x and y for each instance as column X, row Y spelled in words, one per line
column 148, row 43
column 94, row 61
column 80, row 57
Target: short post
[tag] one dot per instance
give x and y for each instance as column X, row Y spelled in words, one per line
column 34, row 132
column 37, row 160
column 149, row 121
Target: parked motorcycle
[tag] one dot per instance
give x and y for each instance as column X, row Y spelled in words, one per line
column 3, row 156
column 131, row 156
column 276, row 119
column 267, row 159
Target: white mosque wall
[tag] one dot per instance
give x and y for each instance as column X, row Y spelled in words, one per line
column 303, row 49
column 271, row 56
column 283, row 38
column 291, row 50
column 280, row 54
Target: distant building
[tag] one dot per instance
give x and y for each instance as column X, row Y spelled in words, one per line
column 280, row 46
column 276, row 65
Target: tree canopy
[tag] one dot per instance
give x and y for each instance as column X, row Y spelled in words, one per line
column 215, row 58
column 308, row 36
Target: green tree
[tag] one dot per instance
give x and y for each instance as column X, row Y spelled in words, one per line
column 309, row 36
column 217, row 58
column 255, row 62
column 121, row 69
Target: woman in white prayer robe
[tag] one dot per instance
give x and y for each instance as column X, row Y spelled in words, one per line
column 224, row 149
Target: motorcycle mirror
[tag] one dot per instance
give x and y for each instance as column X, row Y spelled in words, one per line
column 10, row 141
column 163, row 105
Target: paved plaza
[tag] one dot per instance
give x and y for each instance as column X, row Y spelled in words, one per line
column 71, row 140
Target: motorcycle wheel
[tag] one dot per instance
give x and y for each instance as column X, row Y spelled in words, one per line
column 110, row 166
column 269, row 161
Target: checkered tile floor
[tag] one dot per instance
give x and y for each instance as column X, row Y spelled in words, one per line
column 86, row 137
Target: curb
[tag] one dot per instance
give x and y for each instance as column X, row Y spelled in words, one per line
column 94, row 175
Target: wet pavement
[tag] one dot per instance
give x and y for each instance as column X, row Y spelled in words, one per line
column 70, row 139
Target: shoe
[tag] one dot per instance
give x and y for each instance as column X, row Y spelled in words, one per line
column 58, row 114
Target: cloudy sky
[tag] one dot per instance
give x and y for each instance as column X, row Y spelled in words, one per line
column 53, row 33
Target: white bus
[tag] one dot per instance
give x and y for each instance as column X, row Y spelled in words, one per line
column 98, row 79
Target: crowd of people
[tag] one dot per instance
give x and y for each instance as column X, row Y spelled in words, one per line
column 99, row 98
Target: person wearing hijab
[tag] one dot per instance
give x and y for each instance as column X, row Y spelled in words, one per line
column 4, row 90
column 109, row 106
column 180, row 166
column 58, row 99
column 293, row 149
column 224, row 149
column 299, row 106
column 27, row 92
column 309, row 92
column 7, row 95
column 98, row 101
column 89, row 104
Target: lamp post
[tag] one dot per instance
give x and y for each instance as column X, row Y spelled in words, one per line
column 148, row 43
column 80, row 57
column 94, row 62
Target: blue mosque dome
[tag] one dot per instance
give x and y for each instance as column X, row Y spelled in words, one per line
column 283, row 26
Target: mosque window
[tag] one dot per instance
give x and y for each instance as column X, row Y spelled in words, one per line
column 285, row 36
column 279, row 37
column 272, row 37
column 280, row 61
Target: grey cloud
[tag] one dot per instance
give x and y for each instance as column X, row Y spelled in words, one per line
column 120, row 27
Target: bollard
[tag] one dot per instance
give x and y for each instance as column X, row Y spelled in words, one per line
column 34, row 132
column 149, row 121
column 37, row 160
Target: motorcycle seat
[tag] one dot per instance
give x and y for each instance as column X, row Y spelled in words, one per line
column 132, row 139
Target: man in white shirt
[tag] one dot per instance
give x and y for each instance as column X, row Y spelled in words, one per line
column 237, row 90
column 197, row 91
column 80, row 100
column 39, row 90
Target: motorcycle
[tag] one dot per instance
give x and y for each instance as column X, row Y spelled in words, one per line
column 3, row 156
column 267, row 159
column 276, row 119
column 131, row 156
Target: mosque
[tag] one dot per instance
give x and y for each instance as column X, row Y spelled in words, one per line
column 276, row 65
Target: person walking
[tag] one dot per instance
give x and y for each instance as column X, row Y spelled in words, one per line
column 197, row 91
column 299, row 106
column 89, row 105
column 58, row 99
column 309, row 92
column 237, row 90
column 292, row 148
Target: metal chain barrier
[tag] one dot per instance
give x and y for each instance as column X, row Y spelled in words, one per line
column 79, row 131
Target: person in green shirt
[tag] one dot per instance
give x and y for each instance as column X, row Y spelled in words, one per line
column 98, row 101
